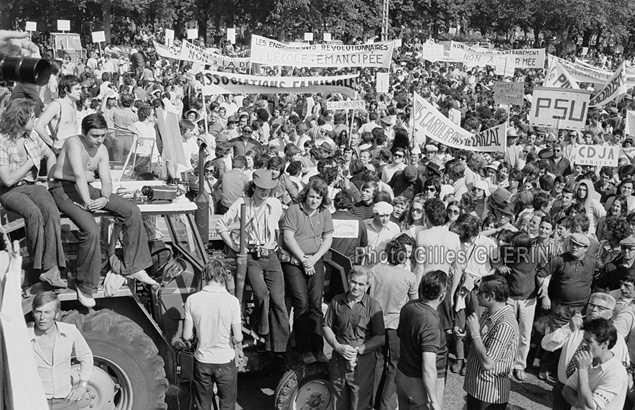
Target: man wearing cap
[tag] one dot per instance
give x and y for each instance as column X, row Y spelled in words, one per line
column 512, row 155
column 262, row 213
column 407, row 182
column 244, row 143
column 431, row 152
column 569, row 338
column 567, row 280
column 380, row 230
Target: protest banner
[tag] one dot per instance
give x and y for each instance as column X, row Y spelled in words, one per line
column 31, row 26
column 559, row 108
column 271, row 52
column 557, row 76
column 521, row 58
column 308, row 36
column 597, row 155
column 192, row 33
column 326, row 36
column 196, row 54
column 583, row 74
column 504, row 65
column 438, row 127
column 229, row 83
column 346, row 105
column 509, row 93
column 432, row 52
column 614, row 88
column 629, row 123
column 166, row 52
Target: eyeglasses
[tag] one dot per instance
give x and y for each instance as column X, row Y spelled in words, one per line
column 247, row 132
column 599, row 307
column 417, row 210
column 431, row 189
column 454, row 211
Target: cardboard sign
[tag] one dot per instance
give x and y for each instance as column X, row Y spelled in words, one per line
column 504, row 66
column 346, row 105
column 559, row 108
column 274, row 53
column 383, row 82
column 231, row 35
column 99, row 36
column 585, row 51
column 455, row 116
column 597, row 155
column 326, row 36
column 344, row 228
column 308, row 36
column 509, row 93
column 64, row 25
column 432, row 52
column 397, row 43
column 31, row 26
column 192, row 33
column 169, row 36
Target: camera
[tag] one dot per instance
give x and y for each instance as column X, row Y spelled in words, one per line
column 25, row 70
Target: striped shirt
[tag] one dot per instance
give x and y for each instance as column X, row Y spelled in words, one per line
column 14, row 153
column 500, row 337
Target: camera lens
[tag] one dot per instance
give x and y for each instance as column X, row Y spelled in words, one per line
column 25, row 70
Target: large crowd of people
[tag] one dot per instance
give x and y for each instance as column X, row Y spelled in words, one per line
column 484, row 264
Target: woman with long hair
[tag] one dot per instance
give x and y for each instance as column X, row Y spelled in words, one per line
column 414, row 219
column 21, row 154
column 401, row 208
column 585, row 194
column 618, row 209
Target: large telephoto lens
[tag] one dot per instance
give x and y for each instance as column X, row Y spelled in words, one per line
column 25, row 70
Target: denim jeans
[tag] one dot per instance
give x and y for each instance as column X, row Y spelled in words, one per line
column 226, row 378
column 271, row 317
column 42, row 222
column 412, row 393
column 306, row 297
column 136, row 254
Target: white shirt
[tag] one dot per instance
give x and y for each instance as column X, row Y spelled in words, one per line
column 608, row 382
column 378, row 238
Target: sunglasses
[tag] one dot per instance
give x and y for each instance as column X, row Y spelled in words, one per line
column 431, row 189
column 417, row 210
column 454, row 211
column 247, row 132
column 556, row 150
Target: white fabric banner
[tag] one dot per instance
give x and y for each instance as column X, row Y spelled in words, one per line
column 346, row 105
column 521, row 58
column 275, row 53
column 629, row 126
column 229, row 83
column 614, row 88
column 559, row 108
column 557, row 76
column 166, row 52
column 583, row 74
column 432, row 52
column 438, row 127
column 196, row 54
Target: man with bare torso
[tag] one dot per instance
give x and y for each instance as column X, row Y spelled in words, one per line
column 61, row 115
column 80, row 160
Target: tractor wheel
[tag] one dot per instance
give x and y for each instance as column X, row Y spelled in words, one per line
column 129, row 373
column 305, row 387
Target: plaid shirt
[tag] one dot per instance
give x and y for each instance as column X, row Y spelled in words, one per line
column 14, row 155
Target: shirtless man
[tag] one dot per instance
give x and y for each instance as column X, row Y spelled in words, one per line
column 79, row 159
column 61, row 115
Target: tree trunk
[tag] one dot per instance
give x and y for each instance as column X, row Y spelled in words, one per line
column 107, row 13
column 536, row 37
column 586, row 37
column 202, row 27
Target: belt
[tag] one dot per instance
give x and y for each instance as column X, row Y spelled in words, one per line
column 261, row 253
column 23, row 182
